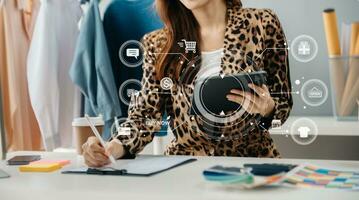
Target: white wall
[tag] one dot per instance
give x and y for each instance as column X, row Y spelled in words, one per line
column 305, row 17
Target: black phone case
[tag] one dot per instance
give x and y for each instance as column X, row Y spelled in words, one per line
column 268, row 169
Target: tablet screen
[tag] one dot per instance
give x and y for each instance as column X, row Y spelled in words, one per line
column 210, row 94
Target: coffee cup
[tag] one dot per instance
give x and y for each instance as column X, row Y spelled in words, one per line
column 82, row 130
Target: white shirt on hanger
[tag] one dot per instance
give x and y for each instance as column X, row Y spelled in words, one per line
column 53, row 96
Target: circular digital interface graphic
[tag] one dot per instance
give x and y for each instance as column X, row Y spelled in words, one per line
column 129, row 88
column 131, row 53
column 207, row 106
column 217, row 122
column 166, row 83
column 304, row 48
column 314, row 92
column 304, row 131
column 123, row 130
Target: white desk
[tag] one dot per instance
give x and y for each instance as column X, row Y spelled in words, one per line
column 327, row 126
column 185, row 182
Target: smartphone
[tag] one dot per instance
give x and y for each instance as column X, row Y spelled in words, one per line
column 23, row 160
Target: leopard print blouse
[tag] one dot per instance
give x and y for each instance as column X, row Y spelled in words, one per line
column 254, row 40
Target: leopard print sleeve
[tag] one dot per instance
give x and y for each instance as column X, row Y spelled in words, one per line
column 276, row 65
column 145, row 109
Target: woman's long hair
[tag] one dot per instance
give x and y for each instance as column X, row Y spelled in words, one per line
column 180, row 24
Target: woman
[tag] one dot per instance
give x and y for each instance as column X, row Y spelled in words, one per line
column 238, row 40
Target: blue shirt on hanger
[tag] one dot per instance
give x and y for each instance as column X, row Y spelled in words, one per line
column 91, row 69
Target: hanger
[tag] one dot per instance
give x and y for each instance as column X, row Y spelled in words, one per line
column 86, row 1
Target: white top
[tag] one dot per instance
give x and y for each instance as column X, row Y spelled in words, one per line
column 210, row 63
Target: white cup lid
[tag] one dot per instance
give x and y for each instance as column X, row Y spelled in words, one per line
column 81, row 121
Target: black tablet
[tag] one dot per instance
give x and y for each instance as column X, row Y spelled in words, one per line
column 210, row 93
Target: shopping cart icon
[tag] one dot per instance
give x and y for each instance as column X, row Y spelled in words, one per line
column 190, row 46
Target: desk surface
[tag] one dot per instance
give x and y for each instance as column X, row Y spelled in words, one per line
column 185, row 182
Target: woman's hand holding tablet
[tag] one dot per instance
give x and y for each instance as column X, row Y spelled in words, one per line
column 260, row 101
column 225, row 94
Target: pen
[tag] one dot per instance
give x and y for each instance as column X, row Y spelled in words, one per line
column 97, row 134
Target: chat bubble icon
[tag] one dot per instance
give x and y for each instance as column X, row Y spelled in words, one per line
column 132, row 52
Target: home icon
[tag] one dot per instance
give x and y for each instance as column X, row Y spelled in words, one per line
column 315, row 93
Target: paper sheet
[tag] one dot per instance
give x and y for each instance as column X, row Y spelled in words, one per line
column 148, row 164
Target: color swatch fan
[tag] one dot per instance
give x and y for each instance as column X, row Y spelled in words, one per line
column 316, row 177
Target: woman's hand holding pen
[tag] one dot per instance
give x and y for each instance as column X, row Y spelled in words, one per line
column 97, row 156
column 115, row 148
column 261, row 102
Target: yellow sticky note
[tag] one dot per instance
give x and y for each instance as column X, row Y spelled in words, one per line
column 40, row 167
column 60, row 162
